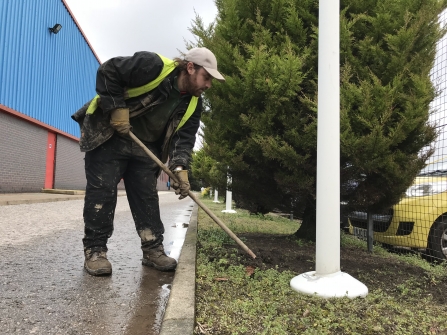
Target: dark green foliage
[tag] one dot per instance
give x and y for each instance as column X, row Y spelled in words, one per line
column 211, row 173
column 262, row 122
column 388, row 51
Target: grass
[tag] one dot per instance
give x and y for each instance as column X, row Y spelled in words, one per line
column 233, row 298
column 242, row 221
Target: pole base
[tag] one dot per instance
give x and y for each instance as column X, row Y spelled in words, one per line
column 335, row 285
column 228, row 211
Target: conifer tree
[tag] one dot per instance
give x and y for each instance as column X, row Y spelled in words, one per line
column 262, row 121
column 211, row 173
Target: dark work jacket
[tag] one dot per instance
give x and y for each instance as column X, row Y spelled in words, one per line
column 112, row 80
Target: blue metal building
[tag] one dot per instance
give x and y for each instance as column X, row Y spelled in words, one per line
column 45, row 76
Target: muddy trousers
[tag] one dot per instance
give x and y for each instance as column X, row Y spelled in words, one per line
column 104, row 167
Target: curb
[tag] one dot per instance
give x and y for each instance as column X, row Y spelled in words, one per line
column 33, row 198
column 45, row 196
column 18, row 199
column 60, row 191
column 179, row 317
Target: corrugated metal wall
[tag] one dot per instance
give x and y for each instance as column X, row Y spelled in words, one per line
column 38, row 67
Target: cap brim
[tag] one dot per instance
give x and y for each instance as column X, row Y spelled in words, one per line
column 215, row 74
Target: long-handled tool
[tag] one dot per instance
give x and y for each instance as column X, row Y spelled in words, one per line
column 193, row 197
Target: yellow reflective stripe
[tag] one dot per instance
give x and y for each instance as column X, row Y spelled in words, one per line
column 93, row 105
column 191, row 108
column 168, row 66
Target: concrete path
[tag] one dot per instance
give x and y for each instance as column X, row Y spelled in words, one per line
column 44, row 289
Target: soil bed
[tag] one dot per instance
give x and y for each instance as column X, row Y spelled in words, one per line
column 283, row 253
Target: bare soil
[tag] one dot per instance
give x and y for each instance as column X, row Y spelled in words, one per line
column 375, row 271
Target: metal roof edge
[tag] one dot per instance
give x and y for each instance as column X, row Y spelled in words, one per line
column 80, row 29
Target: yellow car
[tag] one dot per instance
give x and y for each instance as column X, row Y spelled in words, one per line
column 419, row 220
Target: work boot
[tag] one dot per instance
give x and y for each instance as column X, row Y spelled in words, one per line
column 157, row 258
column 96, row 263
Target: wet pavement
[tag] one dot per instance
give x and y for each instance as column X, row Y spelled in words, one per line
column 44, row 289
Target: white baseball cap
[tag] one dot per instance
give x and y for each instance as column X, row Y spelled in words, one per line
column 205, row 58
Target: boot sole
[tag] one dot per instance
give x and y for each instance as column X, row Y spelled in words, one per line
column 98, row 272
column 160, row 268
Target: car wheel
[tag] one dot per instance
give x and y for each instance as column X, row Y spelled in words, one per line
column 437, row 240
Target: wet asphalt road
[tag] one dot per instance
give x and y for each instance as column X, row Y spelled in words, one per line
column 44, row 289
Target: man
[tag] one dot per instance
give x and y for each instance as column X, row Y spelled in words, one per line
column 159, row 101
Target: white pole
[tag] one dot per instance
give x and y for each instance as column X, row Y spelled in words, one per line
column 229, row 199
column 327, row 280
column 216, row 196
column 327, row 258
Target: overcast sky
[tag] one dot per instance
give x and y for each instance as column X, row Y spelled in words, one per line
column 122, row 27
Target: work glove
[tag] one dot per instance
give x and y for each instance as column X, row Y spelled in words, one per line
column 119, row 120
column 182, row 187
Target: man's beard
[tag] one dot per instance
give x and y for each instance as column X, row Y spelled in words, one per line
column 190, row 86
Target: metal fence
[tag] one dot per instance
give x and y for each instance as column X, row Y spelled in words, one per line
column 419, row 221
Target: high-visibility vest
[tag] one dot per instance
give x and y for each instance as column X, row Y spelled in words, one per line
column 168, row 66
